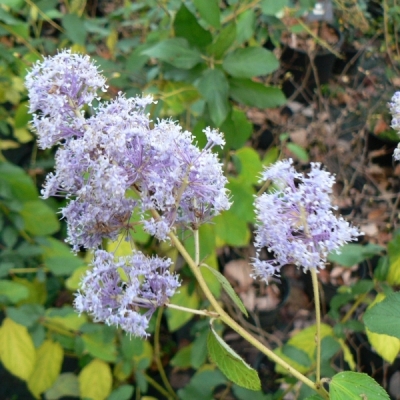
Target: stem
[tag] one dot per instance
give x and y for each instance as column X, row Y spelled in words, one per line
column 318, row 322
column 206, row 313
column 354, row 307
column 157, row 357
column 25, row 270
column 157, row 386
column 196, row 247
column 236, row 327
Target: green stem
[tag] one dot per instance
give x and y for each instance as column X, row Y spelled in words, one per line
column 25, row 270
column 206, row 313
column 157, row 357
column 354, row 307
column 318, row 323
column 236, row 327
column 196, row 247
column 157, row 386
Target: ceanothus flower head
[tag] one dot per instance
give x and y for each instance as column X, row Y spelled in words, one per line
column 394, row 108
column 296, row 221
column 59, row 87
column 125, row 291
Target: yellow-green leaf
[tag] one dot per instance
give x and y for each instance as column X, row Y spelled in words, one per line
column 95, row 380
column 17, row 352
column 49, row 358
column 347, row 355
column 73, row 282
column 386, row 346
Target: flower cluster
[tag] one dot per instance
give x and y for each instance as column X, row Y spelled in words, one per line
column 394, row 107
column 296, row 221
column 126, row 291
column 108, row 165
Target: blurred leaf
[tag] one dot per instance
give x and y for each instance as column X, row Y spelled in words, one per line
column 73, row 282
column 182, row 358
column 230, row 363
column 131, row 347
column 49, row 358
column 351, row 254
column 20, row 182
column 297, row 355
column 256, row 94
column 209, row 11
column 26, row 315
column 124, row 392
column 176, row 52
column 58, row 258
column 17, row 352
column 272, row 8
column 298, row 151
column 178, row 96
column 246, row 394
column 214, row 88
column 384, row 317
column 242, row 199
column 250, row 62
column 271, row 156
column 23, row 135
column 386, row 346
column 37, row 292
column 382, row 269
column 22, row 117
column 237, row 129
column 66, row 385
column 100, row 348
column 177, row 318
column 355, row 386
column 223, row 41
column 111, row 41
column 13, row 291
column 186, row 26
column 228, row 288
column 74, row 28
column 65, row 317
column 232, row 229
column 95, row 380
column 250, row 166
column 246, row 23
column 347, row 354
column 198, row 355
column 39, row 218
column 393, row 276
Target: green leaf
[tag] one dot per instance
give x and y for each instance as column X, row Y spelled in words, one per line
column 246, row 394
column 242, row 199
column 13, row 291
column 17, row 352
column 99, row 347
column 198, row 355
column 74, row 29
column 177, row 318
column 39, row 218
column 66, row 385
column 95, row 380
column 22, row 116
column 351, row 254
column 250, row 62
column 223, row 40
column 250, row 166
column 231, row 364
column 178, row 96
column 297, row 355
column 58, row 258
column 176, row 52
column 272, row 8
column 384, row 317
column 393, row 275
column 214, row 87
column 209, row 11
column 232, row 229
column 237, row 129
column 124, row 392
column 228, row 288
column 26, row 315
column 182, row 358
column 49, row 359
column 20, row 182
column 355, row 386
column 298, row 151
column 246, row 23
column 256, row 94
column 186, row 26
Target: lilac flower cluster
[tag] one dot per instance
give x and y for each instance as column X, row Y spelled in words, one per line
column 126, row 291
column 296, row 221
column 111, row 163
column 394, row 107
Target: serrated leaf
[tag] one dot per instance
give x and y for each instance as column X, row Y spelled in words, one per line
column 49, row 358
column 187, row 26
column 39, row 218
column 231, row 364
column 355, row 386
column 228, row 288
column 17, row 352
column 176, row 52
column 95, row 380
column 214, row 87
column 255, row 94
column 66, row 385
column 384, row 317
column 250, row 62
column 209, row 11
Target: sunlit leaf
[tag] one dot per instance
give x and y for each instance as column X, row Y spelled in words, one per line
column 95, row 380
